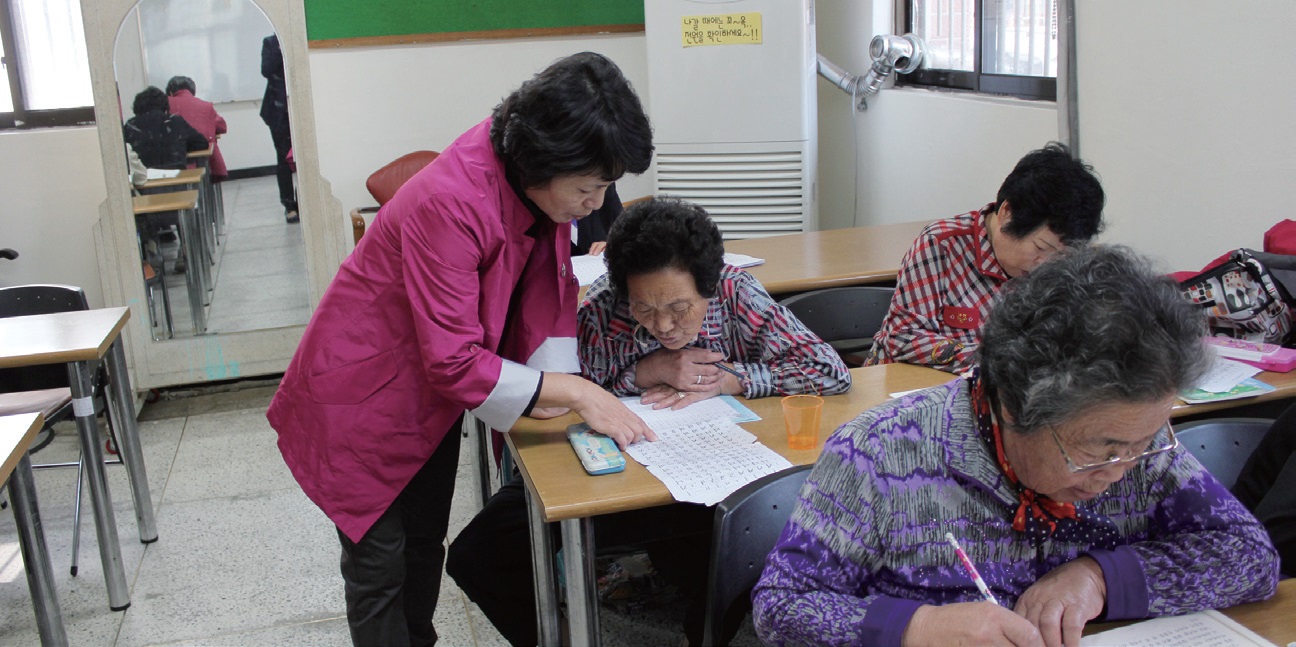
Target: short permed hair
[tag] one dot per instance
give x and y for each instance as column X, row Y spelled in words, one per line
column 577, row 117
column 1094, row 325
column 1048, row 187
column 150, row 99
column 661, row 233
column 178, row 83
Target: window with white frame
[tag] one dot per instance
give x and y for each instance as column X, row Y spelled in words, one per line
column 992, row 46
column 47, row 73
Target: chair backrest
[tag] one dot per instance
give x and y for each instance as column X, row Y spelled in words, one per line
column 747, row 523
column 23, row 300
column 1223, row 445
column 384, row 182
column 837, row 314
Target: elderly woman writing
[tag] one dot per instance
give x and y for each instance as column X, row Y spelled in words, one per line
column 1056, row 467
column 671, row 321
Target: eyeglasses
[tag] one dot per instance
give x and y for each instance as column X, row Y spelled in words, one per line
column 1162, row 442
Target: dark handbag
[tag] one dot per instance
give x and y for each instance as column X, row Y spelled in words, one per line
column 1243, row 299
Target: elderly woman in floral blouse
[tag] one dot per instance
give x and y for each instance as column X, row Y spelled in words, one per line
column 1056, row 467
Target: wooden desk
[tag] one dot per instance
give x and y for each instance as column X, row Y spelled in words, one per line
column 77, row 339
column 1274, row 619
column 559, row 490
column 185, row 178
column 830, row 258
column 16, row 435
column 1284, row 387
column 213, row 206
column 184, row 204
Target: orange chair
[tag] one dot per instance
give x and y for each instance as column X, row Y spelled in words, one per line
column 384, row 182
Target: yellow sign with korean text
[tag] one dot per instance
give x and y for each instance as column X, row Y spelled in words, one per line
column 722, row 29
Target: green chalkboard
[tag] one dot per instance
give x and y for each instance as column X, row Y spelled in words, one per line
column 340, row 20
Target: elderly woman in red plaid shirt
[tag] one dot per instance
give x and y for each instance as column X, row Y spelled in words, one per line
column 951, row 275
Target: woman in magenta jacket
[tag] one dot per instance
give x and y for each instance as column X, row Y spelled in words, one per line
column 461, row 297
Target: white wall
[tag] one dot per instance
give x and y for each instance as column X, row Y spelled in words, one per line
column 914, row 154
column 247, row 144
column 51, row 185
column 375, row 104
column 1187, row 110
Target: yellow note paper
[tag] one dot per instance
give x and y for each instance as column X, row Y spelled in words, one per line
column 722, row 29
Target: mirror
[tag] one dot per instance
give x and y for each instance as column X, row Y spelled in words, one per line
column 250, row 267
column 266, row 342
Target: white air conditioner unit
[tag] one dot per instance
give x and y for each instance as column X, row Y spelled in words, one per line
column 733, row 105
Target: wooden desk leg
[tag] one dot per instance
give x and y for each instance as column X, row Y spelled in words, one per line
column 35, row 555
column 105, row 522
column 546, row 584
column 582, row 594
column 132, row 453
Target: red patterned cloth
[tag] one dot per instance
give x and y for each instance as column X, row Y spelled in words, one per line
column 946, row 284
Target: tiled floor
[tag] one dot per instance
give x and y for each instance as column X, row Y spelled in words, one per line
column 243, row 558
column 260, row 269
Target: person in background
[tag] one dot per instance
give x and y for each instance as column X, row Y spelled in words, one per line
column 949, row 278
column 1053, row 464
column 202, row 116
column 589, row 234
column 274, row 112
column 161, row 139
column 662, row 323
column 459, row 298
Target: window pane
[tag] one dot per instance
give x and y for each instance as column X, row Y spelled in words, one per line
column 51, row 45
column 1021, row 37
column 948, row 27
column 6, row 97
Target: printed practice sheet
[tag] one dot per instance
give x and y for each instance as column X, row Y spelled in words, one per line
column 701, row 454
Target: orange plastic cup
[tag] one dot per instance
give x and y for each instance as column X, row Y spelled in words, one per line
column 802, row 413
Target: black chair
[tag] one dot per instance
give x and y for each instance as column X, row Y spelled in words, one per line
column 747, row 523
column 845, row 317
column 1223, row 445
column 46, row 388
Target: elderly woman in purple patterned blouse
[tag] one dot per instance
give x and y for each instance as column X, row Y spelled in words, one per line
column 1054, row 465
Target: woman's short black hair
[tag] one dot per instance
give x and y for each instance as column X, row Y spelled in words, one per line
column 1048, row 187
column 178, row 83
column 577, row 117
column 661, row 233
column 1095, row 325
column 150, row 99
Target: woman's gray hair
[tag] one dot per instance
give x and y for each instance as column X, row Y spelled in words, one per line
column 1095, row 326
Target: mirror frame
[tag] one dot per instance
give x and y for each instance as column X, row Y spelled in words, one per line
column 221, row 356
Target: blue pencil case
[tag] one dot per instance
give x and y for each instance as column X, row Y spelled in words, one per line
column 598, row 454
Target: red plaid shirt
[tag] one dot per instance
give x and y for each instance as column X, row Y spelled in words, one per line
column 772, row 351
column 946, row 285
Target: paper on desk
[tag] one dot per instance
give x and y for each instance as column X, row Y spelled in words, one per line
column 742, row 260
column 706, row 461
column 725, row 406
column 1224, row 374
column 590, row 266
column 1204, row 629
column 161, row 173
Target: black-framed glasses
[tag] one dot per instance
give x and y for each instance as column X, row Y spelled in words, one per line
column 1163, row 441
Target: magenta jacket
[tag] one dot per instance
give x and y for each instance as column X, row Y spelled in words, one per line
column 411, row 333
column 202, row 116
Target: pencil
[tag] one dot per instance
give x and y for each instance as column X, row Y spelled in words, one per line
column 972, row 571
column 727, row 370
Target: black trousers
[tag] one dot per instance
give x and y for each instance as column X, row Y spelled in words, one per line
column 393, row 574
column 282, row 138
column 490, row 560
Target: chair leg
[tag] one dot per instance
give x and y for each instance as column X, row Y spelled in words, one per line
column 76, row 516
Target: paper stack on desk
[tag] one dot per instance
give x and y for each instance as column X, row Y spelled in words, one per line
column 702, row 455
column 1226, row 380
column 1204, row 629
